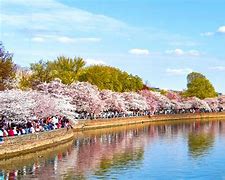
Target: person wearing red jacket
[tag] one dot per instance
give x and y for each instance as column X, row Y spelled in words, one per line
column 11, row 132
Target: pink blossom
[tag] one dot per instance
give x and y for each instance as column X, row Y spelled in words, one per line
column 113, row 101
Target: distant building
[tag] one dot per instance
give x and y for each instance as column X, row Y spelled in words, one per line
column 155, row 89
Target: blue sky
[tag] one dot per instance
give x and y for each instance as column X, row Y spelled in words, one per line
column 159, row 40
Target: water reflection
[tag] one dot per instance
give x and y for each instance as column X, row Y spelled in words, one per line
column 200, row 143
column 118, row 161
column 98, row 152
column 112, row 152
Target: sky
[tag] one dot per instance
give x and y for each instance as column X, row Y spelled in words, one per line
column 159, row 40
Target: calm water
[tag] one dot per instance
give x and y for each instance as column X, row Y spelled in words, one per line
column 179, row 150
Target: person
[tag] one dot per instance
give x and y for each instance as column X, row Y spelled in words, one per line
column 5, row 133
column 23, row 131
column 10, row 132
column 1, row 136
column 32, row 130
column 15, row 131
column 38, row 129
column 55, row 119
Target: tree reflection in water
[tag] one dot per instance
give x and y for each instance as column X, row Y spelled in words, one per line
column 201, row 137
column 100, row 153
column 199, row 144
column 119, row 161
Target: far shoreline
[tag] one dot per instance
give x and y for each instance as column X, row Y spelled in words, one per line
column 113, row 122
column 25, row 144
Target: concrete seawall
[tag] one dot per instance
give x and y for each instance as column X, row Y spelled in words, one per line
column 17, row 145
column 104, row 123
column 14, row 146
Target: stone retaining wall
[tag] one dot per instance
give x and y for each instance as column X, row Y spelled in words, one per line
column 13, row 146
column 103, row 123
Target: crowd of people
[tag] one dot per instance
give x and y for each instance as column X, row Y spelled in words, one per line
column 136, row 113
column 110, row 114
column 8, row 128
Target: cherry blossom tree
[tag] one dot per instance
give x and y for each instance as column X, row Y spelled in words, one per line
column 16, row 105
column 55, row 98
column 113, row 101
column 213, row 103
column 173, row 96
column 45, row 105
column 151, row 100
column 21, row 106
column 197, row 103
column 163, row 101
column 134, row 101
column 82, row 95
column 86, row 97
column 221, row 100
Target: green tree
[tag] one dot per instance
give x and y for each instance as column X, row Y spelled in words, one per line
column 73, row 69
column 163, row 92
column 7, row 68
column 199, row 86
column 64, row 68
column 40, row 73
column 131, row 83
column 192, row 76
column 67, row 69
column 106, row 77
column 25, row 82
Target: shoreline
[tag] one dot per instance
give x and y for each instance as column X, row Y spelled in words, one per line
column 30, row 143
column 113, row 122
column 19, row 145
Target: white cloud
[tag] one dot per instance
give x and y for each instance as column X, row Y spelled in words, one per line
column 177, row 52
column 181, row 52
column 52, row 16
column 183, row 42
column 27, row 3
column 6, row 34
column 64, row 39
column 218, row 68
column 178, row 72
column 207, row 34
column 221, row 29
column 89, row 39
column 193, row 53
column 38, row 39
column 137, row 51
column 94, row 62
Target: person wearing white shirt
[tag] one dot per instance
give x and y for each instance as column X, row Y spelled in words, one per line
column 1, row 136
column 32, row 130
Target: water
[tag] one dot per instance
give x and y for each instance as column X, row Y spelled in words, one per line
column 176, row 150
